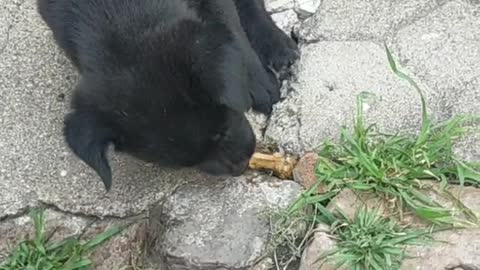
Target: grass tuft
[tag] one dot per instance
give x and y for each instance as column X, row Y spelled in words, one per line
column 369, row 241
column 39, row 253
column 394, row 165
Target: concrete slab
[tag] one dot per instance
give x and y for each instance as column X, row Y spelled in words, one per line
column 443, row 49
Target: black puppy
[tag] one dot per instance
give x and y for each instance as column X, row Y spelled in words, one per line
column 168, row 81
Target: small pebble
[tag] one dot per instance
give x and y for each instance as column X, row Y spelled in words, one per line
column 63, row 173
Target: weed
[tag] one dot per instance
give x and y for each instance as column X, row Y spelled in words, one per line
column 39, row 254
column 369, row 241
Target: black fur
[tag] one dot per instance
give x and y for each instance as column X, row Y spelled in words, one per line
column 168, row 81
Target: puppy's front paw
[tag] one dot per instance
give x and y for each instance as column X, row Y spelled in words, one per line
column 265, row 91
column 278, row 51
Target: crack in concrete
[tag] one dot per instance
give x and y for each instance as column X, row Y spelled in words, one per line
column 462, row 266
column 20, row 213
column 50, row 206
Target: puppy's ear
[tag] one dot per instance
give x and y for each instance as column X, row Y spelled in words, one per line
column 88, row 137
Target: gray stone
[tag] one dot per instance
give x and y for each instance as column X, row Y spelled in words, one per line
column 124, row 251
column 362, row 20
column 275, row 6
column 217, row 224
column 258, row 122
column 329, row 77
column 320, row 244
column 455, row 248
column 286, row 20
column 306, row 8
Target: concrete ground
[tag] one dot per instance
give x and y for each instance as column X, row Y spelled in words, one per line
column 437, row 42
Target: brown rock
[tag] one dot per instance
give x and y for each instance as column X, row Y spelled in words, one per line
column 460, row 248
column 349, row 201
column 123, row 250
column 304, row 172
column 321, row 243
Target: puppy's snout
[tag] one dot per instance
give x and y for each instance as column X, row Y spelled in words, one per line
column 240, row 168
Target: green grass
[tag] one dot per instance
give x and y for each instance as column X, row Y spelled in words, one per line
column 39, row 253
column 394, row 165
column 369, row 241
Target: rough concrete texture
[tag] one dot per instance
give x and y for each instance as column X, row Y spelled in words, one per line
column 443, row 48
column 440, row 49
column 217, row 224
column 330, row 77
column 121, row 252
column 362, row 20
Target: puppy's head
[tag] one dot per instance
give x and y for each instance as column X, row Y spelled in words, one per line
column 181, row 105
column 217, row 141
